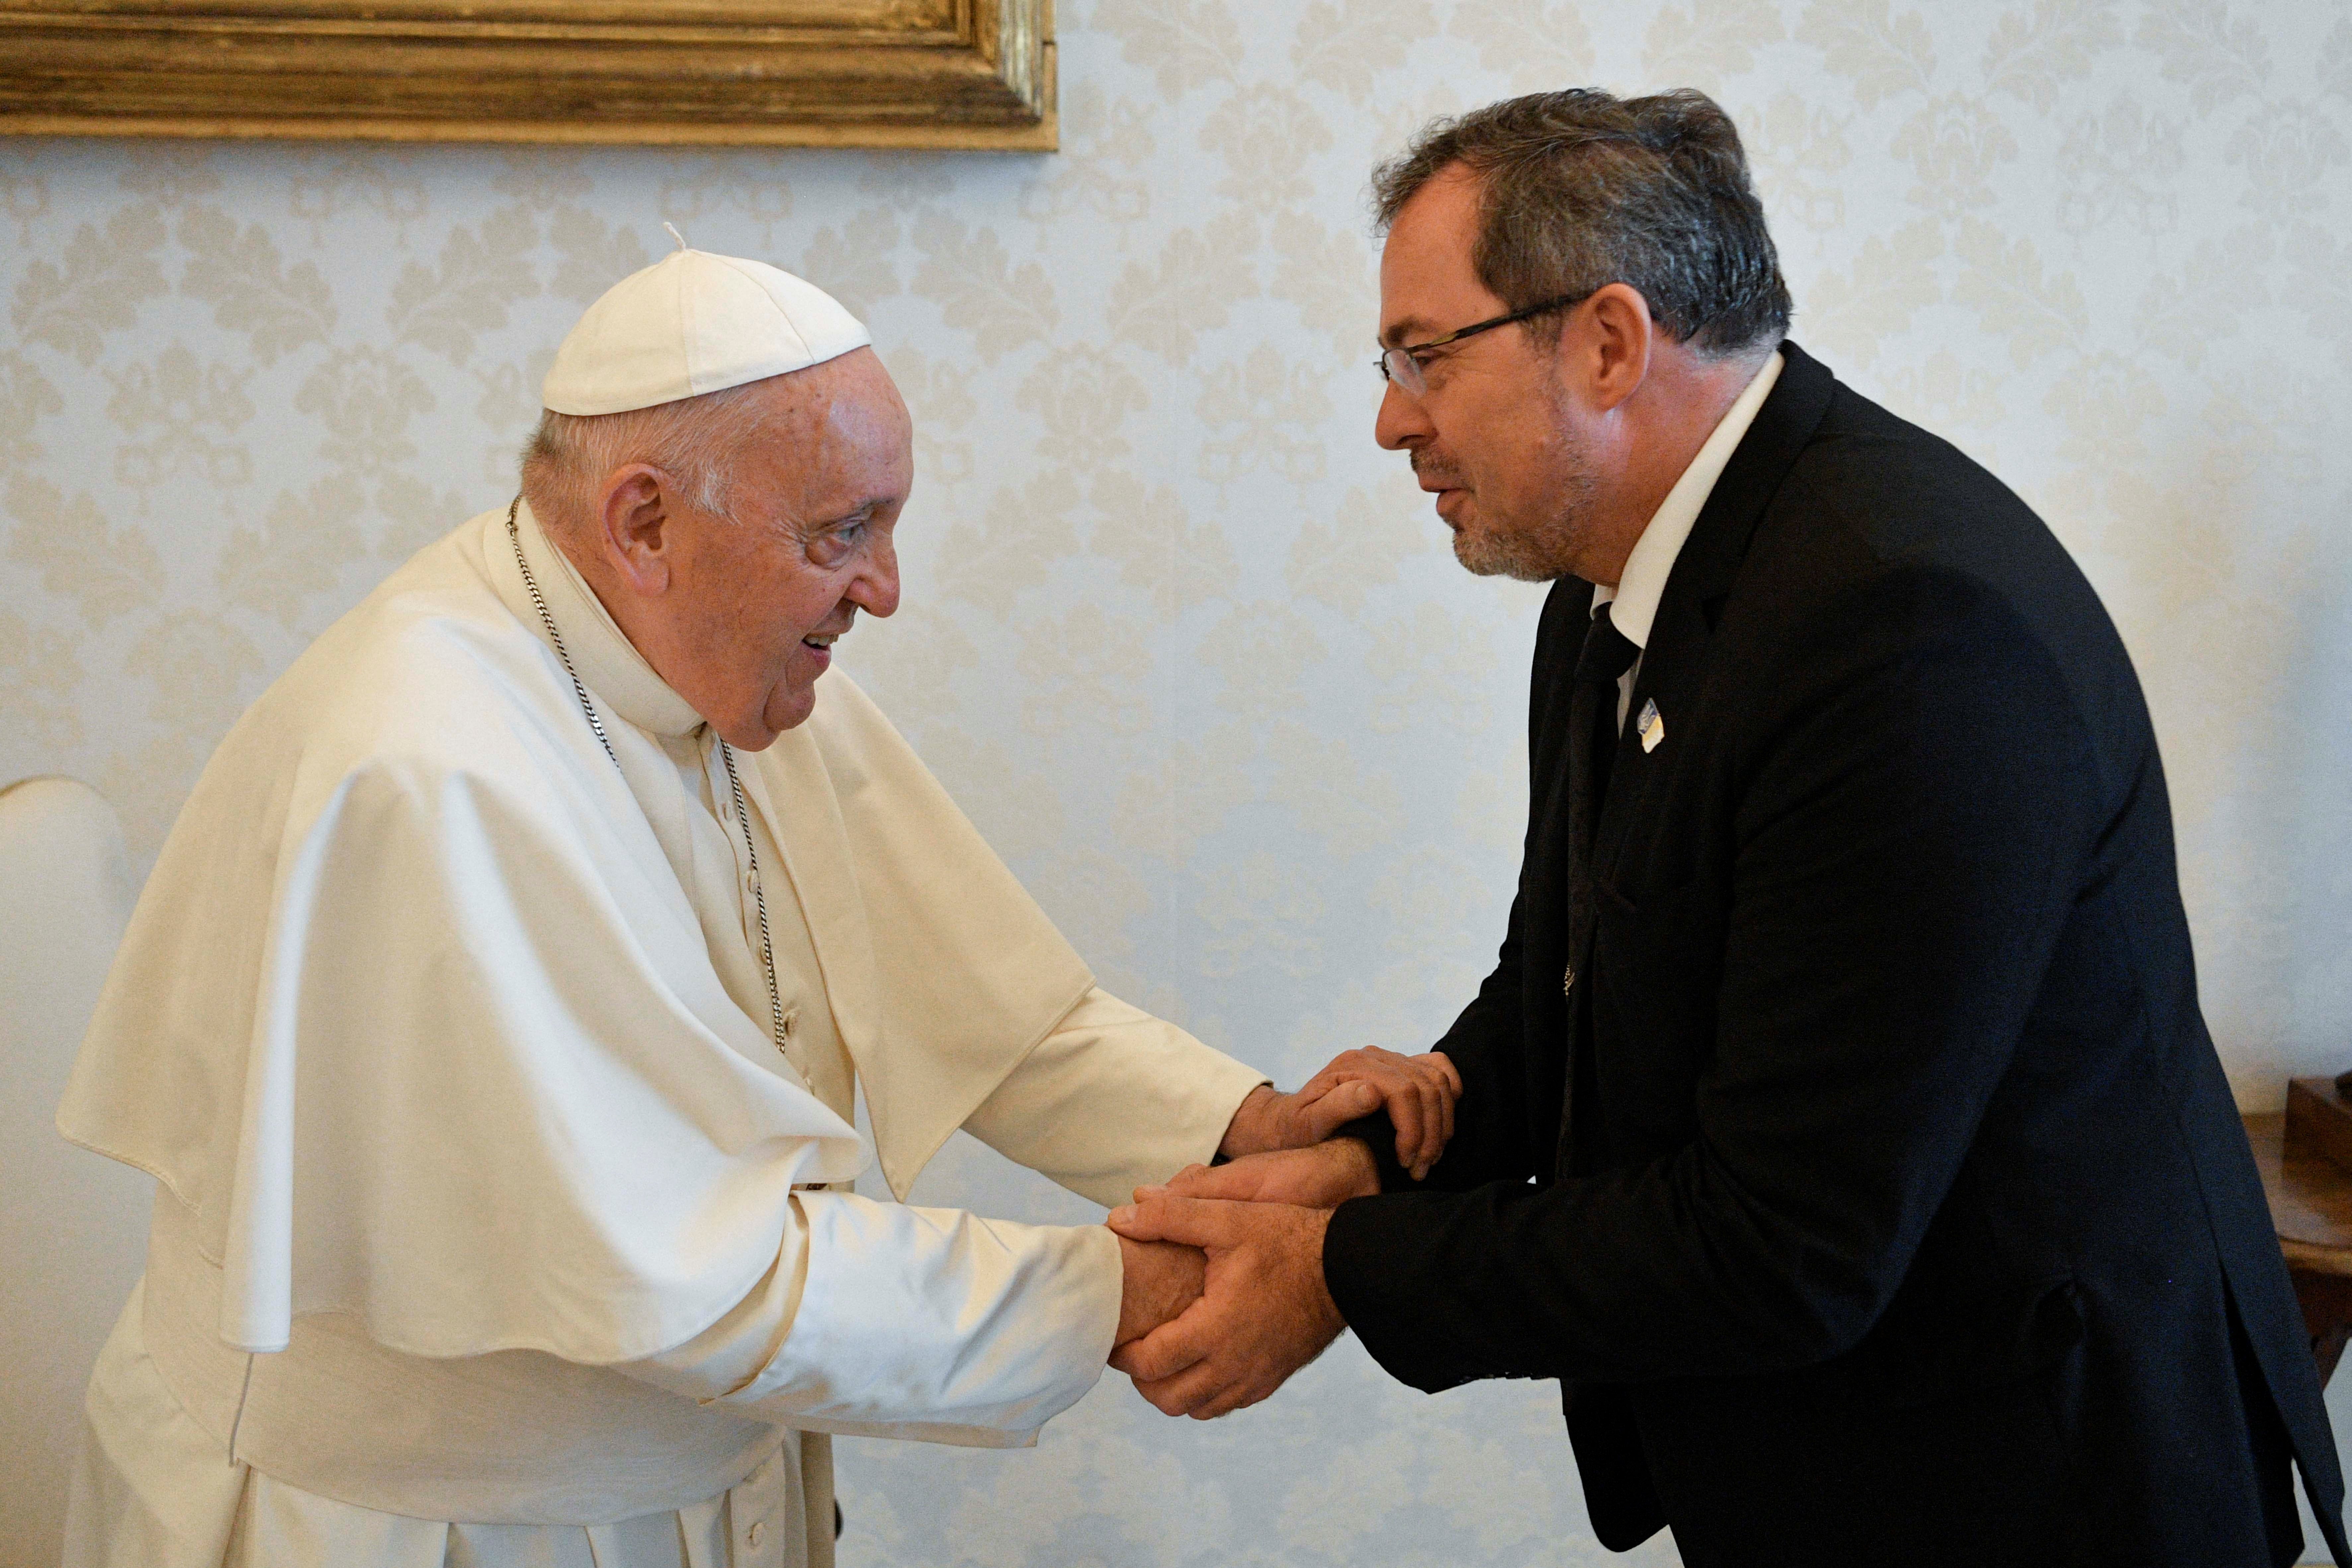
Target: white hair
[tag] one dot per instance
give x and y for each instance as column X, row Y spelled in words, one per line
column 693, row 440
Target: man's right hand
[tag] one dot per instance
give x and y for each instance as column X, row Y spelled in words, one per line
column 1321, row 1176
column 1159, row 1279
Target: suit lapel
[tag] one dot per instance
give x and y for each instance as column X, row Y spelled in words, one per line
column 1674, row 664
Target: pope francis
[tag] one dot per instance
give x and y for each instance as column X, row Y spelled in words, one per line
column 494, row 1018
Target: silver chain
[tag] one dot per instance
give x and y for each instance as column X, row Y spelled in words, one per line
column 759, row 898
column 726, row 755
column 514, row 537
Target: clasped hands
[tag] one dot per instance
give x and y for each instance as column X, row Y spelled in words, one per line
column 1224, row 1296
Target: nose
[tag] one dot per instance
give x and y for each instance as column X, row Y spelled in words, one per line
column 1401, row 421
column 874, row 590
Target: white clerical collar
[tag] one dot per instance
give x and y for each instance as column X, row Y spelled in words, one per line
column 609, row 665
column 1636, row 597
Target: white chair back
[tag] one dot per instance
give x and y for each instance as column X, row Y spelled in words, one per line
column 73, row 1226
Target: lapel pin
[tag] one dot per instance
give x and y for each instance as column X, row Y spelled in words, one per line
column 1652, row 728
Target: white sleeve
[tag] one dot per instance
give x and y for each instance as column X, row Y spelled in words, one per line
column 1113, row 1098
column 882, row 1319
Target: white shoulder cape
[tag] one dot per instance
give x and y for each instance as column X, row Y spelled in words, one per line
column 416, row 1018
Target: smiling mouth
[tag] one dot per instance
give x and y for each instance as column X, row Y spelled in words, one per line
column 822, row 639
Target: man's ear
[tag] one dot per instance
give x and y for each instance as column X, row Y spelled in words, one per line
column 632, row 527
column 1617, row 339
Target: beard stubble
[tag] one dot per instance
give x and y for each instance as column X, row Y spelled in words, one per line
column 1541, row 550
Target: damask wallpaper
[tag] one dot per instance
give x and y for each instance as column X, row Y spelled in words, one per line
column 1185, row 645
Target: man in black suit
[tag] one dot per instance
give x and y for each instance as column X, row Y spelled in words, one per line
column 1838, row 1125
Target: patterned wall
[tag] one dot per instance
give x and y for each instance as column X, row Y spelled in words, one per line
column 1187, row 648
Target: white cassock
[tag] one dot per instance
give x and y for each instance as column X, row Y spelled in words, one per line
column 489, row 1229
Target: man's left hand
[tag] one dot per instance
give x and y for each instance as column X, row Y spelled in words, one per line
column 1264, row 1314
column 1418, row 1092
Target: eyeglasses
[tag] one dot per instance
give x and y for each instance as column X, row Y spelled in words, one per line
column 1403, row 364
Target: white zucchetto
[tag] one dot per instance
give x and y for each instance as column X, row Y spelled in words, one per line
column 690, row 324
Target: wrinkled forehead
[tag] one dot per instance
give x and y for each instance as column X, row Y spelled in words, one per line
column 851, row 398
column 836, row 427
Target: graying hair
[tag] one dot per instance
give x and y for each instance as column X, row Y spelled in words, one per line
column 693, row 441
column 1580, row 189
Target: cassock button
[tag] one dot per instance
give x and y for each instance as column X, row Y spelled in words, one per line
column 1568, row 980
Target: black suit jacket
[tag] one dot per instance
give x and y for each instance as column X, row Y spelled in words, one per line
column 1915, row 1221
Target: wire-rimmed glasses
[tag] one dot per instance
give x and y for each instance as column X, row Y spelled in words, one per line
column 1401, row 365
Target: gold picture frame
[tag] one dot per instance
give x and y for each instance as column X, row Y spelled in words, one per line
column 808, row 73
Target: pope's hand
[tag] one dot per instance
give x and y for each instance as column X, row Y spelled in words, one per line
column 1417, row 1092
column 1264, row 1314
column 1322, row 1176
column 1158, row 1280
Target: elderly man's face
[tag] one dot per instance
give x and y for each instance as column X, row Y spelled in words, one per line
column 758, row 601
column 1493, row 436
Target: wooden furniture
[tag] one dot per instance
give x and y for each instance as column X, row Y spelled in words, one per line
column 2310, row 1208
column 828, row 73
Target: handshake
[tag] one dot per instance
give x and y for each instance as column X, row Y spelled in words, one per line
column 1224, row 1295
